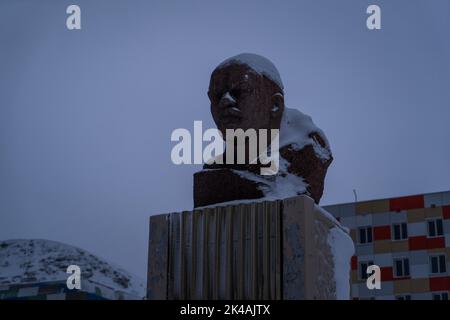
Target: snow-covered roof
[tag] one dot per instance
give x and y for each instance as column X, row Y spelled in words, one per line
column 257, row 63
column 36, row 260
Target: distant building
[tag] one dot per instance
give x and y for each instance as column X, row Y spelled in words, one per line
column 57, row 290
column 408, row 238
column 36, row 269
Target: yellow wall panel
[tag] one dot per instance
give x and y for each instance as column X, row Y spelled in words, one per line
column 383, row 246
column 380, row 206
column 363, row 207
column 416, row 215
column 402, row 286
column 399, row 246
column 433, row 212
column 420, row 285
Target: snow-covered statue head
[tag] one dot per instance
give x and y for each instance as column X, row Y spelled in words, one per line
column 246, row 92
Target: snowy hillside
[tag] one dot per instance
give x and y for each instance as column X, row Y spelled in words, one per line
column 24, row 261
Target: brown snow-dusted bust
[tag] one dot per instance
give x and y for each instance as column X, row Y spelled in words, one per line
column 246, row 92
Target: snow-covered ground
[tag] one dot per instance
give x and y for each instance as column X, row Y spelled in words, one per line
column 36, row 260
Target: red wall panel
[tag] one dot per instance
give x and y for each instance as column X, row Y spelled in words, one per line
column 446, row 212
column 382, row 233
column 440, row 284
column 417, row 243
column 438, row 242
column 406, row 203
column 354, row 262
column 386, row 274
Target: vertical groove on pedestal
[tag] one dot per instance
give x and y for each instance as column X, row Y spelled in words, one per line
column 228, row 252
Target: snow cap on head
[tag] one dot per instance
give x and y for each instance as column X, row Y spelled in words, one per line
column 257, row 63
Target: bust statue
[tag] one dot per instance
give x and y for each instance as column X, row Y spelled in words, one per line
column 242, row 98
column 246, row 92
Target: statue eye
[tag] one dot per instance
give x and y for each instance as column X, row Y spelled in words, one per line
column 235, row 93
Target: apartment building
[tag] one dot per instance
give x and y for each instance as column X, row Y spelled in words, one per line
column 408, row 238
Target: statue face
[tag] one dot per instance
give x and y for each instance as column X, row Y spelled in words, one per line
column 241, row 98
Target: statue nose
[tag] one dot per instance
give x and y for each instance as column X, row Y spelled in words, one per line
column 227, row 100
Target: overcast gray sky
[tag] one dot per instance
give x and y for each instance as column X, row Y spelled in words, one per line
column 86, row 116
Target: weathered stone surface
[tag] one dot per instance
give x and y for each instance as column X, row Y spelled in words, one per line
column 305, row 163
column 324, row 287
column 242, row 98
column 157, row 258
column 222, row 185
column 259, row 250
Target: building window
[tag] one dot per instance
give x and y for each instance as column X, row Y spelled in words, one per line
column 363, row 269
column 403, row 297
column 401, row 267
column 400, row 231
column 365, row 235
column 438, row 264
column 435, row 228
column 440, row 296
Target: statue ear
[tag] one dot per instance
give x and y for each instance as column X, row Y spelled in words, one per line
column 277, row 105
column 210, row 95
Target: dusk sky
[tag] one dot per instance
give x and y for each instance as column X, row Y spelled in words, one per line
column 86, row 115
